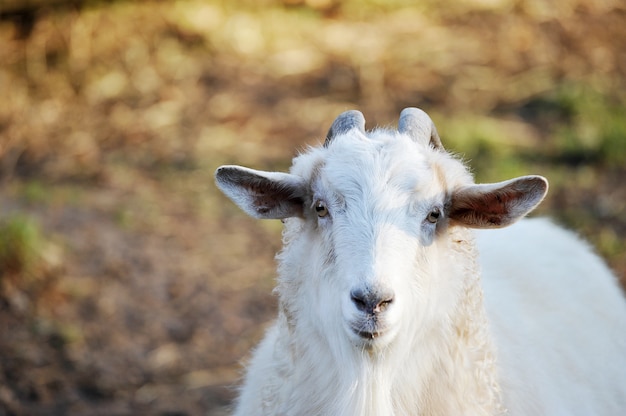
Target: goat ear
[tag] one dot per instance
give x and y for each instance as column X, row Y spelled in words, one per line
column 267, row 195
column 497, row 205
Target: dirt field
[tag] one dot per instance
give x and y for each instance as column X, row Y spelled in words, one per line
column 129, row 285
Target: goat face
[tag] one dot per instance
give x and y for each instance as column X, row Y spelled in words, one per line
column 367, row 253
column 373, row 212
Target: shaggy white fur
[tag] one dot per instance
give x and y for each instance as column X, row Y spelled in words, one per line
column 381, row 284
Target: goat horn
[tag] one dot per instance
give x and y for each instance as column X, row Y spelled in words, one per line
column 419, row 126
column 345, row 122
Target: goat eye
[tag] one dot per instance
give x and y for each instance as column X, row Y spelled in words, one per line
column 321, row 209
column 434, row 215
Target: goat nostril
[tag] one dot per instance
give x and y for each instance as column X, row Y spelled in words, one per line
column 371, row 303
column 359, row 300
column 382, row 305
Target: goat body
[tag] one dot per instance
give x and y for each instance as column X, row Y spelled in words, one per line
column 391, row 303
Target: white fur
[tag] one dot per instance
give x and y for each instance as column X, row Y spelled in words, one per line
column 558, row 320
column 549, row 338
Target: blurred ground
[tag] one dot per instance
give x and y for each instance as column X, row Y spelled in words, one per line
column 128, row 285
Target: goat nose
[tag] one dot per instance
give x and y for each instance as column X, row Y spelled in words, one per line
column 371, row 302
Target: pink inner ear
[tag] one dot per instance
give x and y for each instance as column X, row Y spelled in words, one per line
column 277, row 204
column 274, row 199
column 487, row 206
column 270, row 195
column 489, row 209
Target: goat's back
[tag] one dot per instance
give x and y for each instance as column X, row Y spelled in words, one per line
column 558, row 319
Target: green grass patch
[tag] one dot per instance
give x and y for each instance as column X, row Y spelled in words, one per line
column 593, row 130
column 34, row 193
column 20, row 245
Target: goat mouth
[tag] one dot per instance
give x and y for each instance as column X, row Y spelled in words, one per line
column 368, row 335
column 367, row 331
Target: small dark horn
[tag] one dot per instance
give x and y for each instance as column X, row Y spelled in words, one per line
column 345, row 122
column 419, row 126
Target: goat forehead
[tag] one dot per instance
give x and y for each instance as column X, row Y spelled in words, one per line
column 388, row 163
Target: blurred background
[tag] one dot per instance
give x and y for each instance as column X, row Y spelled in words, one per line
column 129, row 285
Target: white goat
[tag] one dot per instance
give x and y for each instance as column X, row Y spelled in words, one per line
column 381, row 308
